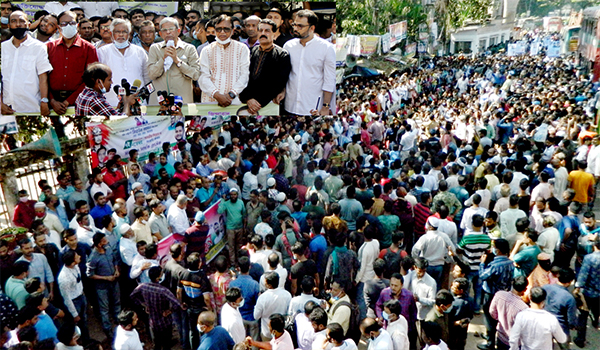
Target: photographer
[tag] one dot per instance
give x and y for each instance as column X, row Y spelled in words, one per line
column 98, row 80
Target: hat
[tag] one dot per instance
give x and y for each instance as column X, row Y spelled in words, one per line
column 543, row 256
column 199, row 218
column 285, row 145
column 462, row 161
column 124, row 228
column 39, row 205
column 433, row 221
column 233, row 190
column 270, row 182
column 468, row 148
column 297, row 138
column 280, row 197
column 136, row 185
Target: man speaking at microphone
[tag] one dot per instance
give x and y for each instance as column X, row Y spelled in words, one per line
column 125, row 60
column 98, row 81
column 173, row 64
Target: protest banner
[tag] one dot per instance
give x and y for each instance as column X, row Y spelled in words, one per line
column 368, row 44
column 341, row 50
column 397, row 32
column 553, row 49
column 385, row 43
column 410, row 50
column 215, row 241
column 145, row 134
column 353, row 45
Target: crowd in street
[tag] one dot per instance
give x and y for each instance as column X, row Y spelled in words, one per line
column 459, row 187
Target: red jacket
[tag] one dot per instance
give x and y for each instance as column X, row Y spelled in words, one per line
column 24, row 214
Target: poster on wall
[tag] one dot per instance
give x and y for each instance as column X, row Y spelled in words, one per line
column 145, row 134
column 158, row 7
column 368, row 44
column 397, row 32
column 215, row 240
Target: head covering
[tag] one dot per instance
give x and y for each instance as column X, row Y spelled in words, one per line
column 271, row 182
column 233, row 190
column 199, row 218
column 285, row 145
column 281, row 197
column 136, row 185
column 124, row 228
column 39, row 205
column 433, row 221
column 462, row 161
column 543, row 256
column 297, row 138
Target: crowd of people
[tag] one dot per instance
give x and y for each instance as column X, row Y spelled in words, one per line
column 459, row 187
column 227, row 59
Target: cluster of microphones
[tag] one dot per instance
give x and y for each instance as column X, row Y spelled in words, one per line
column 172, row 104
column 126, row 89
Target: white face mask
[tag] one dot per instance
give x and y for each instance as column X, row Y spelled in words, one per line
column 26, row 198
column 223, row 42
column 69, row 31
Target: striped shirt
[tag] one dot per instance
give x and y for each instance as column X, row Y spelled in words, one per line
column 504, row 307
column 474, row 245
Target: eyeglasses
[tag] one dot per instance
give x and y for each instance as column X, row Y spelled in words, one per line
column 167, row 30
column 64, row 24
column 299, row 25
column 223, row 29
column 124, row 32
column 104, row 27
column 237, row 26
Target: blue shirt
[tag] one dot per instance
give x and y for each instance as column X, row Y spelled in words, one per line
column 589, row 275
column 300, row 216
column 203, row 195
column 250, row 291
column 45, row 328
column 498, row 275
column 217, row 339
column 318, row 245
column 38, row 267
column 561, row 304
column 98, row 212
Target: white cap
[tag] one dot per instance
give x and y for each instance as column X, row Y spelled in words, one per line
column 280, row 197
column 433, row 221
column 39, row 205
column 297, row 138
column 124, row 228
column 271, row 182
column 136, row 185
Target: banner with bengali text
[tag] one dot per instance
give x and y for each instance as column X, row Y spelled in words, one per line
column 158, row 7
column 397, row 32
column 145, row 134
column 368, row 44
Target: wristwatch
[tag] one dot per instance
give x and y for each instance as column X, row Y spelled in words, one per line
column 232, row 94
column 179, row 64
column 44, row 100
column 326, row 105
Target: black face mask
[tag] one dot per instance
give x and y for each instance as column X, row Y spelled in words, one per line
column 210, row 38
column 18, row 33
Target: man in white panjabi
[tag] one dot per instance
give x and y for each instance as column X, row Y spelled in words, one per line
column 224, row 66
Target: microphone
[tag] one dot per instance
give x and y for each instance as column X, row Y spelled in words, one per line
column 136, row 85
column 116, row 89
column 127, row 87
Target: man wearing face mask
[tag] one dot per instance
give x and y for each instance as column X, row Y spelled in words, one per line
column 173, row 64
column 275, row 14
column 198, row 33
column 380, row 339
column 24, row 211
column 126, row 61
column 270, row 68
column 7, row 9
column 214, row 337
column 223, row 82
column 306, row 90
column 47, row 30
column 440, row 312
column 231, row 319
column 70, row 55
column 281, row 339
column 25, row 65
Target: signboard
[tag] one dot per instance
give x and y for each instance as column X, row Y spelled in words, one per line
column 158, row 7
column 535, row 48
column 397, row 32
column 145, row 134
column 8, row 125
column 353, row 45
column 215, row 241
column 553, row 49
column 410, row 50
column 385, row 43
column 341, row 51
column 368, row 44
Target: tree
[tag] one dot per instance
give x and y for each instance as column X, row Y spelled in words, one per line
column 453, row 14
column 373, row 17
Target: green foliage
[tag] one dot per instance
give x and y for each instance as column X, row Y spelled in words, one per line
column 453, row 14
column 373, row 17
column 30, row 126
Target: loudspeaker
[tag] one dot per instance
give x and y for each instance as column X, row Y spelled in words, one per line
column 350, row 61
column 48, row 143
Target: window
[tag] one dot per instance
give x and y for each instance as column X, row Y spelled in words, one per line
column 493, row 40
column 462, row 46
column 482, row 45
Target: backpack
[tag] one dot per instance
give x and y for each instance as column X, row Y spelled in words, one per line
column 354, row 326
column 392, row 262
column 290, row 327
